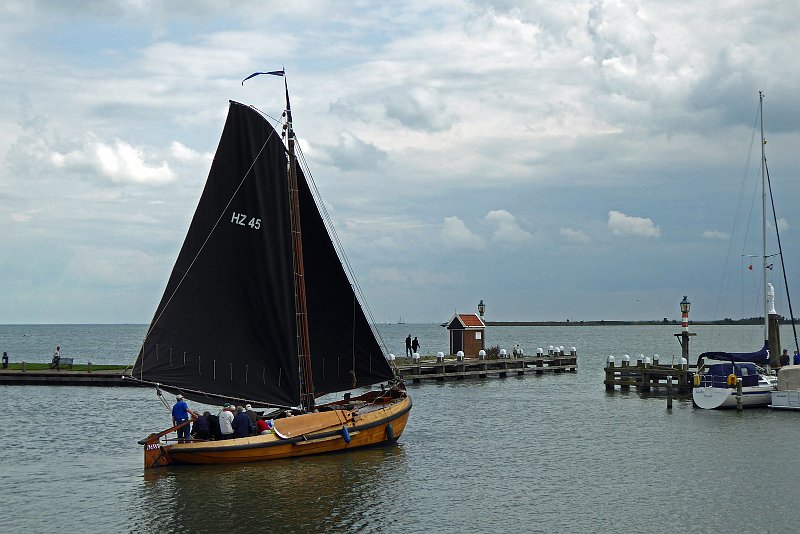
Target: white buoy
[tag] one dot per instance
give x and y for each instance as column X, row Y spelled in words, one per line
column 503, row 353
column 391, row 357
column 573, row 351
column 415, row 356
column 481, row 354
column 460, row 355
column 440, row 356
column 539, row 352
column 610, row 360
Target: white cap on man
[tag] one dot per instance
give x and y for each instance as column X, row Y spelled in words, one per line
column 179, row 397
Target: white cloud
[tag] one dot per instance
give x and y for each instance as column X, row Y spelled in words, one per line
column 626, row 225
column 455, row 234
column 416, row 278
column 576, row 236
column 715, row 234
column 507, row 228
column 184, row 154
column 120, row 162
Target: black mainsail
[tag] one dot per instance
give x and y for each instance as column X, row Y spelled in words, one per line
column 225, row 327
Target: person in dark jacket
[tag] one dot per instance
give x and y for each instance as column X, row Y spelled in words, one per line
column 213, row 426
column 415, row 344
column 241, row 424
column 253, row 418
column 201, row 429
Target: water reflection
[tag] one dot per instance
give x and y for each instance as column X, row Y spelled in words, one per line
column 315, row 494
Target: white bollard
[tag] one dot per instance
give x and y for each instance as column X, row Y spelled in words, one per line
column 460, row 355
column 415, row 357
column 503, row 353
column 481, row 354
column 440, row 357
column 610, row 360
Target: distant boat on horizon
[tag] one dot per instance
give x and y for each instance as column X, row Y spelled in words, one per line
column 401, row 321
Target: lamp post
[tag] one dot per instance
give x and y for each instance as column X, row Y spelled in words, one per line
column 685, row 306
column 683, row 337
column 481, row 308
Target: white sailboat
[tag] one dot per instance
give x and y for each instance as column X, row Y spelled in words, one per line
column 716, row 386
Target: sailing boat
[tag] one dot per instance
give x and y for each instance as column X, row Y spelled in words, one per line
column 716, row 385
column 260, row 310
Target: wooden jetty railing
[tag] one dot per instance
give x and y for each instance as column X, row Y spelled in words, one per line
column 443, row 369
column 647, row 377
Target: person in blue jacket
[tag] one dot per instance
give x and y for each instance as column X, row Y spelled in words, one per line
column 241, row 424
column 180, row 414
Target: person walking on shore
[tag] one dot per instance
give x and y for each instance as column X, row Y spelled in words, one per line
column 415, row 344
column 409, row 352
column 56, row 363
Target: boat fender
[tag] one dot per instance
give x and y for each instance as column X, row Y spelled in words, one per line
column 390, row 433
column 732, row 380
column 346, row 434
column 697, row 381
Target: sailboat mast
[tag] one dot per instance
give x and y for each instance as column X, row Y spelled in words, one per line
column 301, row 312
column 763, row 214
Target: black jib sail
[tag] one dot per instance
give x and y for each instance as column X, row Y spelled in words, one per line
column 344, row 351
column 225, row 328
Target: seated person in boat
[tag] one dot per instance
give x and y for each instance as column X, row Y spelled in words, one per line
column 253, row 418
column 263, row 426
column 225, row 421
column 213, row 426
column 241, row 423
column 201, row 429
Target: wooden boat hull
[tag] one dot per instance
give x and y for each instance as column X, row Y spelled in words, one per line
column 381, row 423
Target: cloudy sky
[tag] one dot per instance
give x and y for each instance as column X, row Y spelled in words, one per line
column 573, row 160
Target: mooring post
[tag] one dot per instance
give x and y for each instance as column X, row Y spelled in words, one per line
column 669, row 392
column 89, row 367
column 24, row 367
column 739, row 394
column 610, row 373
column 625, row 375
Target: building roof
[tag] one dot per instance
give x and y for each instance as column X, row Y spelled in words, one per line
column 466, row 320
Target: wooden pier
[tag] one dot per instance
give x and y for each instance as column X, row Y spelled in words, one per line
column 649, row 377
column 501, row 367
column 52, row 377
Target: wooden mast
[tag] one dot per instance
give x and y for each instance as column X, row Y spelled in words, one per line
column 301, row 314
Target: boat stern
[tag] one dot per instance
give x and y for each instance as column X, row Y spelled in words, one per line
column 155, row 453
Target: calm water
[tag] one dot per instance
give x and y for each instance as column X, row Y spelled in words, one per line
column 531, row 454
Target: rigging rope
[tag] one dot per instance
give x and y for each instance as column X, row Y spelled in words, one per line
column 780, row 253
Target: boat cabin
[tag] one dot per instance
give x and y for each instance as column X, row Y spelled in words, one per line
column 466, row 334
column 748, row 372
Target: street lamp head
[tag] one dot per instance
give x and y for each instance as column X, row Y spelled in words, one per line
column 481, row 307
column 685, row 305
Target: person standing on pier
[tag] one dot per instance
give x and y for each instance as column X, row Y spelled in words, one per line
column 408, row 346
column 415, row 344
